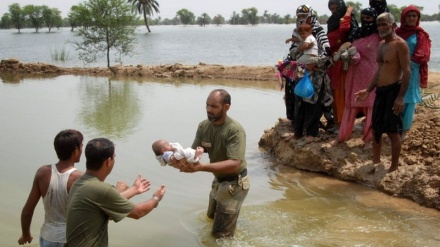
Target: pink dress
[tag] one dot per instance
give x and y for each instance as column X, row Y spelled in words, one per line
column 359, row 76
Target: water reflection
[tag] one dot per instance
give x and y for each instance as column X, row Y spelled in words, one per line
column 17, row 78
column 284, row 207
column 109, row 106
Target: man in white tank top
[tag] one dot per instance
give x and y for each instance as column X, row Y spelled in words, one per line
column 52, row 183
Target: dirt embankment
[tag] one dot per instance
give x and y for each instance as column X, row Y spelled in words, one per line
column 201, row 71
column 417, row 178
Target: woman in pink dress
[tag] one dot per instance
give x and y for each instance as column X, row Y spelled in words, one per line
column 359, row 75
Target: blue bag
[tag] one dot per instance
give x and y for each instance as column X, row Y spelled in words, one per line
column 304, row 87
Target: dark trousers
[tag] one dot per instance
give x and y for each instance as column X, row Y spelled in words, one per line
column 289, row 98
column 307, row 116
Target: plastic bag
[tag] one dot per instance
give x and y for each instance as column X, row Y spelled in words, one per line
column 304, row 87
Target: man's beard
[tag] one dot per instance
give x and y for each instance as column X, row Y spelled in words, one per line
column 214, row 118
column 382, row 34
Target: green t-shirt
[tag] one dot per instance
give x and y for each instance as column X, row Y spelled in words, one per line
column 222, row 142
column 90, row 205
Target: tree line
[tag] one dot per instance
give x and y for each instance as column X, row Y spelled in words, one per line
column 109, row 25
column 35, row 16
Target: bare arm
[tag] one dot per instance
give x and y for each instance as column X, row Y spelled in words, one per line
column 305, row 46
column 29, row 207
column 140, row 186
column 143, row 208
column 349, row 10
column 225, row 167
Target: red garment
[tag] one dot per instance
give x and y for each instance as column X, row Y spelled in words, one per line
column 336, row 38
column 335, row 72
column 422, row 51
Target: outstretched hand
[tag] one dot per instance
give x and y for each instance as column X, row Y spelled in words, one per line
column 141, row 184
column 121, row 186
column 361, row 95
column 160, row 192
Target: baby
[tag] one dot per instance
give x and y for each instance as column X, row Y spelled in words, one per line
column 309, row 46
column 168, row 153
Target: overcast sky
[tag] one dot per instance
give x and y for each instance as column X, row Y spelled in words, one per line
column 168, row 8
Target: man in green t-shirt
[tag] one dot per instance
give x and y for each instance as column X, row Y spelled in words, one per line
column 92, row 202
column 224, row 139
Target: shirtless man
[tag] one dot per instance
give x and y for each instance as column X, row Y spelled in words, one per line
column 391, row 81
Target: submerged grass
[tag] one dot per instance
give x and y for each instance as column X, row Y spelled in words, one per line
column 59, row 54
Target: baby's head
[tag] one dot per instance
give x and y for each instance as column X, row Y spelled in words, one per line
column 163, row 151
column 304, row 30
column 160, row 146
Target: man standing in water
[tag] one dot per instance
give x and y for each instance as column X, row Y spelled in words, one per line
column 224, row 139
column 391, row 82
column 53, row 183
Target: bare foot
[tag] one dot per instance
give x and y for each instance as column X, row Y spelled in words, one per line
column 287, row 136
column 335, row 143
column 310, row 139
column 392, row 168
column 199, row 152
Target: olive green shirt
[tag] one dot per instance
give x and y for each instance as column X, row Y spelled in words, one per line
column 222, row 142
column 90, row 205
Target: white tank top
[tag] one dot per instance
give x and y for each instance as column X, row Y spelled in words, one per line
column 55, row 207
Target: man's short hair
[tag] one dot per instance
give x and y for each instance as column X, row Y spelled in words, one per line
column 225, row 95
column 386, row 16
column 65, row 142
column 97, row 151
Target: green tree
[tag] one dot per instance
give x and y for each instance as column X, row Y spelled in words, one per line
column 395, row 11
column 251, row 15
column 78, row 16
column 357, row 8
column 235, row 19
column 287, row 19
column 204, row 19
column 52, row 17
column 35, row 15
column 111, row 25
column 277, row 19
column 18, row 17
column 145, row 7
column 5, row 22
column 265, row 18
column 186, row 17
column 218, row 20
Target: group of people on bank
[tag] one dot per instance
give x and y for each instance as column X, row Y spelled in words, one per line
column 374, row 71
